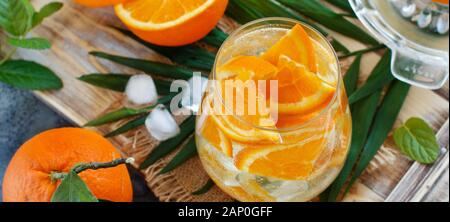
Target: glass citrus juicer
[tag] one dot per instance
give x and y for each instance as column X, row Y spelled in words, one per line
column 417, row 33
column 294, row 143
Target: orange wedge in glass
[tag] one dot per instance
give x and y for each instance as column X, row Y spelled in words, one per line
column 215, row 137
column 243, row 122
column 297, row 45
column 299, row 90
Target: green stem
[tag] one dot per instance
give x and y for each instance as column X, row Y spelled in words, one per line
column 8, row 56
column 90, row 166
column 363, row 51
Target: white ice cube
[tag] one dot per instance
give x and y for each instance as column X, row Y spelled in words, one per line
column 161, row 125
column 192, row 95
column 141, row 90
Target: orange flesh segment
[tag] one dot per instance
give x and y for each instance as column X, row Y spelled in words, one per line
column 156, row 11
column 215, row 137
column 296, row 45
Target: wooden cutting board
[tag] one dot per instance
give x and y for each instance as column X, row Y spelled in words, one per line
column 76, row 30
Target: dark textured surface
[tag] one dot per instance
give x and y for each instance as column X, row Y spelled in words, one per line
column 22, row 116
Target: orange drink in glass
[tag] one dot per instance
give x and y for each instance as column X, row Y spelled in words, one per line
column 274, row 124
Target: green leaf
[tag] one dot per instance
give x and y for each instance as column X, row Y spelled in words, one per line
column 363, row 51
column 351, row 77
column 339, row 47
column 363, row 114
column 118, row 82
column 417, row 140
column 162, row 69
column 116, row 116
column 126, row 112
column 115, row 82
column 382, row 125
column 380, row 77
column 188, row 151
column 190, row 55
column 166, row 147
column 73, row 189
column 28, row 75
column 215, row 38
column 133, row 124
column 205, row 188
column 31, row 43
column 249, row 10
column 15, row 16
column 330, row 19
column 46, row 11
column 344, row 5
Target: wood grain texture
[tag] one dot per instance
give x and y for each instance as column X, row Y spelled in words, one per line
column 76, row 30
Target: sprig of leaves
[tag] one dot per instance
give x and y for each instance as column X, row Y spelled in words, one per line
column 17, row 18
column 73, row 188
column 416, row 139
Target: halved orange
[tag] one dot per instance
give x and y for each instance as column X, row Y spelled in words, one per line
column 296, row 45
column 98, row 3
column 288, row 162
column 171, row 22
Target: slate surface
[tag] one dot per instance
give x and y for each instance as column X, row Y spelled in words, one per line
column 22, row 116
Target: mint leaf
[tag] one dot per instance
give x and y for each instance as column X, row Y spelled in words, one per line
column 73, row 189
column 15, row 16
column 31, row 43
column 417, row 140
column 28, row 75
column 46, row 11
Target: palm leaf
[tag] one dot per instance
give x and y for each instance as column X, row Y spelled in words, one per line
column 157, row 68
column 330, row 19
column 191, row 55
column 215, row 38
column 382, row 125
column 344, row 5
column 249, row 10
column 188, row 151
column 118, row 82
column 166, row 147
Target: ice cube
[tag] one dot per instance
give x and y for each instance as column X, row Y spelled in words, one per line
column 192, row 94
column 161, row 125
column 141, row 90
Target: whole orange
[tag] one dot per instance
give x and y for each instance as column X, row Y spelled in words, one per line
column 27, row 177
column 171, row 22
column 98, row 3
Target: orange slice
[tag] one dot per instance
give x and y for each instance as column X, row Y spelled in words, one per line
column 288, row 162
column 300, row 91
column 296, row 45
column 171, row 22
column 241, row 122
column 246, row 68
column 215, row 137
